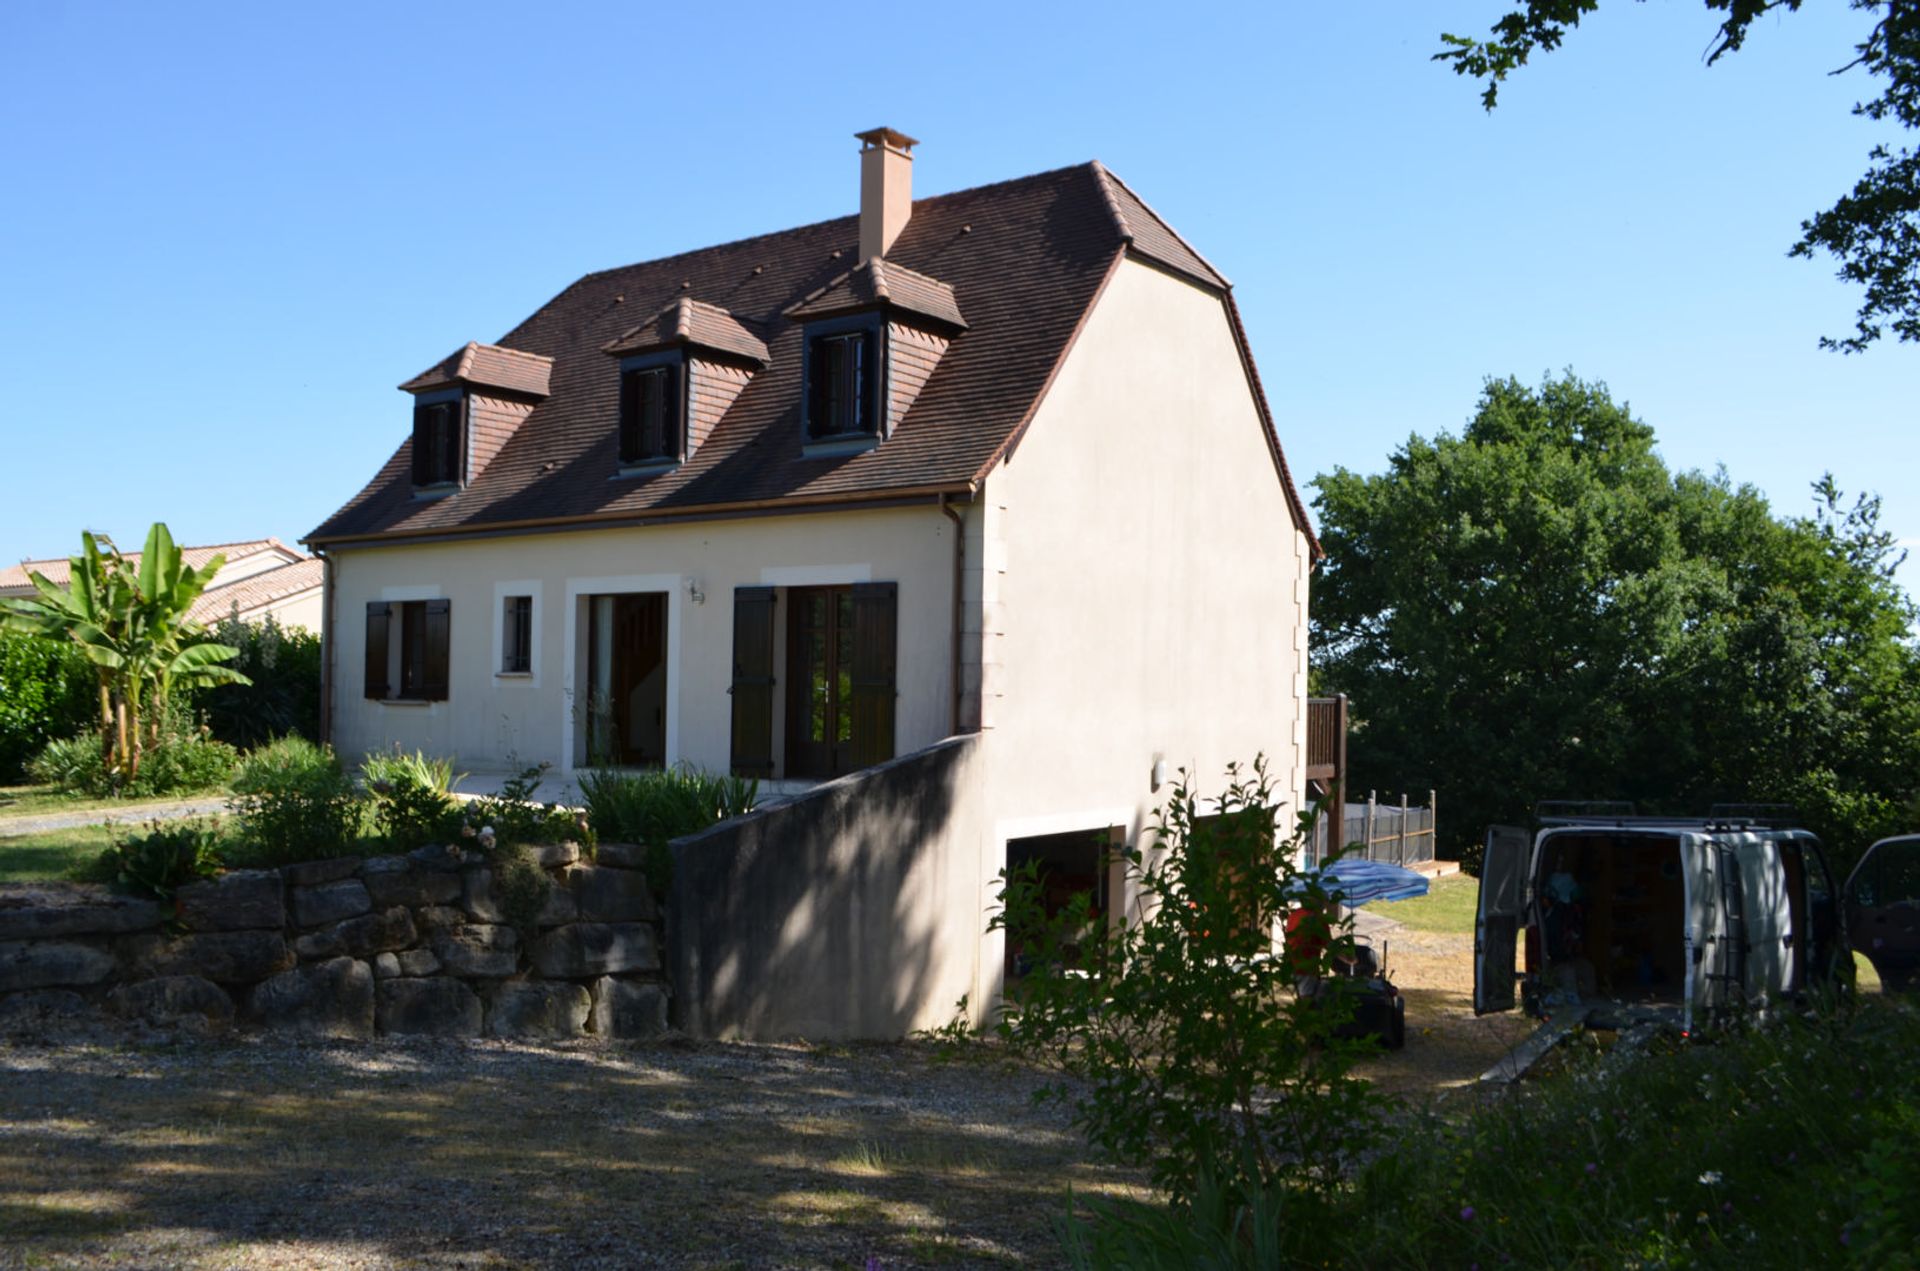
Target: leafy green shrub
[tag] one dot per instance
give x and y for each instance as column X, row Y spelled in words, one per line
column 283, row 664
column 1188, row 1048
column 47, row 691
column 294, row 802
column 656, row 807
column 182, row 759
column 168, row 856
column 411, row 803
column 520, row 885
column 498, row 822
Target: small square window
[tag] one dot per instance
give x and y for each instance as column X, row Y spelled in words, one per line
column 650, row 414
column 516, row 643
column 842, row 385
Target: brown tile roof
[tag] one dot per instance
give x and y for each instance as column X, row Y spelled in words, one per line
column 488, row 366
column 876, row 283
column 59, row 571
column 259, row 590
column 695, row 323
column 1025, row 259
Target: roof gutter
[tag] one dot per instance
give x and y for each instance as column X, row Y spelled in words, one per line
column 905, row 497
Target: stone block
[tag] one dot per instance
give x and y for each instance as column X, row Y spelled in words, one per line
column 41, row 911
column 173, row 999
column 330, row 902
column 394, row 880
column 418, row 962
column 438, row 858
column 358, row 937
column 481, row 950
column 42, row 1012
column 621, row 855
column 47, row 964
column 437, row 1007
column 243, row 900
column 441, row 917
column 532, row 1008
column 386, row 966
column 225, row 957
column 586, row 949
column 624, row 1009
column 320, row 873
column 604, row 894
column 559, row 908
column 555, row 855
column 476, row 893
column 327, row 999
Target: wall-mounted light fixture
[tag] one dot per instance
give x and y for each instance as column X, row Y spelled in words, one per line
column 694, row 593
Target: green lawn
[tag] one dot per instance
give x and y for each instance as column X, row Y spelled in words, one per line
column 51, row 854
column 1448, row 907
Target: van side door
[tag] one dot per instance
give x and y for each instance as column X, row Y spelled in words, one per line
column 1883, row 911
column 1502, row 912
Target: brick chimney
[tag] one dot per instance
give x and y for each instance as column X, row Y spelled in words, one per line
column 886, row 188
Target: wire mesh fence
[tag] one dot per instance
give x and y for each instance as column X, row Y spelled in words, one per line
column 1400, row 833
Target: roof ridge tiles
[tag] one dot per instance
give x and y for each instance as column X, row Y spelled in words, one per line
column 1108, row 179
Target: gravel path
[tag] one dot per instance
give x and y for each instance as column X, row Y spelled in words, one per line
column 260, row 1152
column 15, row 826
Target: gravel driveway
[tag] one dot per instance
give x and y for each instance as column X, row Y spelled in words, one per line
column 259, row 1152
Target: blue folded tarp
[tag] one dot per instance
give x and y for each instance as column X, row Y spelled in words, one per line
column 1353, row 880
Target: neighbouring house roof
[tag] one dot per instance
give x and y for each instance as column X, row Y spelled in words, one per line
column 487, row 366
column 15, row 579
column 1025, row 260
column 880, row 283
column 259, row 591
column 692, row 323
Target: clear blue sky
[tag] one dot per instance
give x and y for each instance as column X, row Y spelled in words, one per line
column 227, row 231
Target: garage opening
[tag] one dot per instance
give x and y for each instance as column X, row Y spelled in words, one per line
column 1613, row 915
column 1074, row 863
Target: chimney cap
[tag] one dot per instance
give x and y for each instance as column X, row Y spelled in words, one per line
column 892, row 140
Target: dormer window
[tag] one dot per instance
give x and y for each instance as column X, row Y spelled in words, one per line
column 843, row 384
column 439, row 440
column 652, row 415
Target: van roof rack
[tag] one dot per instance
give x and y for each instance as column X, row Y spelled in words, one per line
column 1776, row 815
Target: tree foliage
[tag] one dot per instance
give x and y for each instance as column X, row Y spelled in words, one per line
column 130, row 621
column 1190, row 1051
column 1874, row 230
column 1538, row 608
column 46, row 693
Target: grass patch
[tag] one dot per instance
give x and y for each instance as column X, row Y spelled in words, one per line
column 50, row 855
column 1448, row 908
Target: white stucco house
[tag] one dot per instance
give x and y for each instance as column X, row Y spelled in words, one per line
column 993, row 465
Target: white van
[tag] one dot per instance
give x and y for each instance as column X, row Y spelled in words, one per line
column 1628, row 918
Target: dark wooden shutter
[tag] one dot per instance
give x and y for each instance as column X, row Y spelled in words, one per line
column 753, row 681
column 866, row 377
column 379, row 619
column 438, row 639
column 422, row 444
column 875, row 637
column 673, row 411
column 629, row 416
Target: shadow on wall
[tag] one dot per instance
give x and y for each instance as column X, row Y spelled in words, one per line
column 851, row 912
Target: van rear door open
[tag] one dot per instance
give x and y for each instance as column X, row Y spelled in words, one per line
column 1503, row 906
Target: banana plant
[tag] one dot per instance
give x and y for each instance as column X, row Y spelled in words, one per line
column 132, row 624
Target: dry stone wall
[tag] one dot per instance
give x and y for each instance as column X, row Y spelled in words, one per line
column 350, row 948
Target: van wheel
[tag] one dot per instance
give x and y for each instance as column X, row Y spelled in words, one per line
column 1397, row 1024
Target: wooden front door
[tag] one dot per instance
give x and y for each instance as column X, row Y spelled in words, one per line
column 628, row 653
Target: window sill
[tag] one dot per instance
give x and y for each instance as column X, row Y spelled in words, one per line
column 405, row 701
column 513, row 675
column 439, row 491
column 651, row 467
column 846, row 444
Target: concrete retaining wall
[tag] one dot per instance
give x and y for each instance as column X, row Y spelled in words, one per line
column 854, row 911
